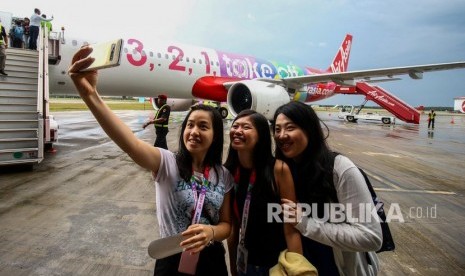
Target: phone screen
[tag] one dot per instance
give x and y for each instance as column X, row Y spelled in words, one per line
column 106, row 54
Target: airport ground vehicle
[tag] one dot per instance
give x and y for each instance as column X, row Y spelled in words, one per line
column 352, row 114
column 27, row 129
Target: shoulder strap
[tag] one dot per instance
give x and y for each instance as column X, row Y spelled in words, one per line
column 330, row 177
column 367, row 181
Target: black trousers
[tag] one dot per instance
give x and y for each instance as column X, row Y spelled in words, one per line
column 160, row 141
column 33, row 35
column 17, row 43
column 431, row 122
column 212, row 262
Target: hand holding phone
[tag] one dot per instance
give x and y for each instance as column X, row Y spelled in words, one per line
column 106, row 55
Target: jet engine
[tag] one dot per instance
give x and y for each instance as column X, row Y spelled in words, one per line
column 263, row 97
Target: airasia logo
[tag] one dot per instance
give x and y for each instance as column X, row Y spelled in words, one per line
column 382, row 98
column 463, row 106
column 340, row 62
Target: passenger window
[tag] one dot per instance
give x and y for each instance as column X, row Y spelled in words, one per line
column 151, row 54
column 187, row 59
column 74, row 42
column 159, row 55
column 166, row 56
column 193, row 60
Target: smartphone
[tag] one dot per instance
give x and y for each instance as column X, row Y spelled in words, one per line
column 106, row 54
column 165, row 247
column 188, row 262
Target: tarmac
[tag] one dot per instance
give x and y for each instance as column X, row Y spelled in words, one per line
column 87, row 209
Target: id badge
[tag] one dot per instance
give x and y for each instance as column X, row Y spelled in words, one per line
column 242, row 254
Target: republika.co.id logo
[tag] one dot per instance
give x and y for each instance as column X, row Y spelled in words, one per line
column 338, row 212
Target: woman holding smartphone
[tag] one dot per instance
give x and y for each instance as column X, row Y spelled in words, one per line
column 192, row 187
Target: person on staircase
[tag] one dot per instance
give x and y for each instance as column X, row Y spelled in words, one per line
column 3, row 47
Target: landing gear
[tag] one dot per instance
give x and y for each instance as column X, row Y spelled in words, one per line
column 224, row 112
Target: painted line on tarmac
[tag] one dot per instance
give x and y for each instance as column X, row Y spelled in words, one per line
column 392, row 185
column 369, row 153
column 395, row 188
column 415, row 191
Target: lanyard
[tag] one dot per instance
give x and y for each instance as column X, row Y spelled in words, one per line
column 245, row 211
column 199, row 191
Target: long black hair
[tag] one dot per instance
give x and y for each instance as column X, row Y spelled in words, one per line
column 263, row 159
column 313, row 172
column 214, row 156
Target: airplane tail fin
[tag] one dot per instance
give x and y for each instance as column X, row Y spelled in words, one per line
column 341, row 60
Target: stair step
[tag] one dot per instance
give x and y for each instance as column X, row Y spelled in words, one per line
column 18, row 143
column 19, row 124
column 17, row 150
column 19, row 139
column 20, row 160
column 19, row 93
column 15, row 70
column 12, row 117
column 18, row 101
column 18, row 108
column 18, row 133
column 16, row 77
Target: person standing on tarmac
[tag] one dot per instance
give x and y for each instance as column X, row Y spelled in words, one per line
column 431, row 117
column 160, row 121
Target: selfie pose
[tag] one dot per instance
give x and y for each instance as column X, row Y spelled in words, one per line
column 321, row 178
column 192, row 187
column 256, row 242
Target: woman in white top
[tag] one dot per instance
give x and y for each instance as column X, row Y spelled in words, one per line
column 187, row 183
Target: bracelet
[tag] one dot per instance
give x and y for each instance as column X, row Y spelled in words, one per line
column 213, row 237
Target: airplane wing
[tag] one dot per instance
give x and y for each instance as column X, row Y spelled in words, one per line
column 349, row 78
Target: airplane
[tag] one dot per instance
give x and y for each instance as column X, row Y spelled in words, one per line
column 185, row 72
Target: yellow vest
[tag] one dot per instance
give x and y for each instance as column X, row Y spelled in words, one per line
column 46, row 24
column 1, row 36
column 156, row 117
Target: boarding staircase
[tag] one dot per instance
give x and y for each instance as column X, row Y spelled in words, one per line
column 24, row 116
column 388, row 101
column 20, row 124
column 383, row 98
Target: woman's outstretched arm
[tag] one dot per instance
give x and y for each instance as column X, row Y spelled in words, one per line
column 141, row 152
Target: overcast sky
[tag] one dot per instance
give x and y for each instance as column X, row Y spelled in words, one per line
column 304, row 32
